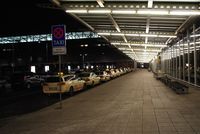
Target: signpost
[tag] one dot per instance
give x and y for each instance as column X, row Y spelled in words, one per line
column 59, row 47
column 58, row 40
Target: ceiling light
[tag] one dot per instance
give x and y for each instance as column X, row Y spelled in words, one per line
column 137, row 35
column 196, row 35
column 103, row 33
column 76, row 11
column 123, row 11
column 184, row 12
column 115, row 43
column 100, row 11
column 132, row 35
column 152, row 12
column 148, row 35
column 150, row 3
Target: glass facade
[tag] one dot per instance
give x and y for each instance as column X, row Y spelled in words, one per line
column 182, row 59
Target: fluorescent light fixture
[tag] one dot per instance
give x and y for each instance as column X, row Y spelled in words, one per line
column 115, row 43
column 100, row 11
column 103, row 33
column 125, row 44
column 125, row 49
column 147, row 50
column 76, row 11
column 148, row 35
column 152, row 12
column 123, row 11
column 185, row 12
column 100, row 2
column 156, row 45
column 147, row 45
column 196, row 35
column 137, row 35
column 117, row 34
column 150, row 3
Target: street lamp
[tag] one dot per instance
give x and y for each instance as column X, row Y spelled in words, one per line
column 83, row 54
column 83, row 59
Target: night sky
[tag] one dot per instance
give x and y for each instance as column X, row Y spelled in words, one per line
column 27, row 17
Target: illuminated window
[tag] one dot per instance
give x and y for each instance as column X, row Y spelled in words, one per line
column 69, row 68
column 33, row 70
column 46, row 68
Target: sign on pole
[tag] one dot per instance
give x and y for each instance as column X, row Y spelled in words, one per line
column 58, row 40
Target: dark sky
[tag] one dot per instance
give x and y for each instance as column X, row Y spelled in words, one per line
column 26, row 17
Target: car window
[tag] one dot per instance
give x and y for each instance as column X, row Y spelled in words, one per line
column 68, row 77
column 53, row 79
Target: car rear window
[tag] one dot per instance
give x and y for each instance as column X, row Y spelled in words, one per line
column 52, row 79
column 68, row 77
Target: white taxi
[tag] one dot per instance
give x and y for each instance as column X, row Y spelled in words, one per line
column 63, row 84
column 90, row 78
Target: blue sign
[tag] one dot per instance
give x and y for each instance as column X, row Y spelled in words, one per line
column 58, row 35
column 58, row 39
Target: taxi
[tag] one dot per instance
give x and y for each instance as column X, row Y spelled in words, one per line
column 63, row 84
column 104, row 76
column 90, row 78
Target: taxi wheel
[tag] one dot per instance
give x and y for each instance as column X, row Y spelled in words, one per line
column 84, row 87
column 93, row 84
column 71, row 91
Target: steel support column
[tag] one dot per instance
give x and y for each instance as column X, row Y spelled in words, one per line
column 179, row 74
column 188, row 46
column 183, row 60
column 195, row 57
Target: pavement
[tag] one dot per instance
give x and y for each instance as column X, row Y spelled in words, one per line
column 135, row 103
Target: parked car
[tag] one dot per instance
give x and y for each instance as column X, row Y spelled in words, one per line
column 33, row 81
column 18, row 79
column 117, row 72
column 104, row 76
column 66, row 83
column 90, row 78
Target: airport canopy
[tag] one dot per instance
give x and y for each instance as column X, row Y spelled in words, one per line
column 139, row 28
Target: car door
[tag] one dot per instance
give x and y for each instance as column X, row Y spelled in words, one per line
column 74, row 82
column 79, row 83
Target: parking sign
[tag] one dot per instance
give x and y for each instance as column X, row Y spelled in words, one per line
column 58, row 40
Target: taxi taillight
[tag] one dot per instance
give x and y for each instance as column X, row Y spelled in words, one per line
column 61, row 83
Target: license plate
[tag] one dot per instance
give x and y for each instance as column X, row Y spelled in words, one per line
column 52, row 88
